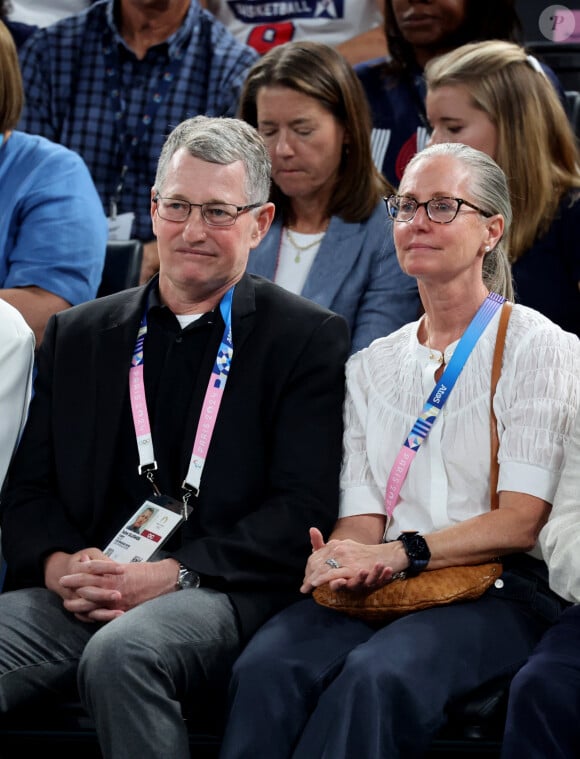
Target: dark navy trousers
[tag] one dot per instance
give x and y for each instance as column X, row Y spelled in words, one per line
column 314, row 683
column 543, row 720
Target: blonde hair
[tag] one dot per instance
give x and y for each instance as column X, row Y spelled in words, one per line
column 536, row 146
column 11, row 89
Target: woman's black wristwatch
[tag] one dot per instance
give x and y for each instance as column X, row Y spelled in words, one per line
column 417, row 550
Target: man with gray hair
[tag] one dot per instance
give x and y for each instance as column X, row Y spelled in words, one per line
column 209, row 394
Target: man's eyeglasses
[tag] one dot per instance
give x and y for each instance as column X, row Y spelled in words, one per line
column 214, row 214
column 439, row 210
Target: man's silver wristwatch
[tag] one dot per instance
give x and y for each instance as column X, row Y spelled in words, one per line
column 187, row 578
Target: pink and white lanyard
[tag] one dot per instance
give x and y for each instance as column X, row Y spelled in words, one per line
column 436, row 401
column 209, row 411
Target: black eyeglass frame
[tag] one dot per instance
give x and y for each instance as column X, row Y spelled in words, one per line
column 239, row 210
column 425, row 204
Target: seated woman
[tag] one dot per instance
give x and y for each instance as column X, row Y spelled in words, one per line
column 16, row 360
column 53, row 230
column 331, row 240
column 494, row 97
column 315, row 682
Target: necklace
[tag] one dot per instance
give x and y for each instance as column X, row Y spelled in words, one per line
column 302, row 248
column 432, row 357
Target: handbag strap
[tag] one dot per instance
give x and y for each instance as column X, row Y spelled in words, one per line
column 495, row 372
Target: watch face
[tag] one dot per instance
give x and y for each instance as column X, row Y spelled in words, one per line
column 416, row 547
column 188, row 579
column 417, row 550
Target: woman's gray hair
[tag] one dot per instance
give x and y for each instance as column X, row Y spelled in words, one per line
column 223, row 141
column 489, row 191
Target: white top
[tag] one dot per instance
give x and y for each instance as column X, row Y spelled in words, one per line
column 16, row 362
column 263, row 25
column 186, row 319
column 560, row 538
column 537, row 397
column 294, row 264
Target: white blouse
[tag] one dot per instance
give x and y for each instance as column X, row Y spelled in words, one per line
column 16, row 362
column 536, row 400
column 560, row 537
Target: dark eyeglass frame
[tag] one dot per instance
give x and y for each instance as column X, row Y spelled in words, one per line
column 203, row 207
column 425, row 204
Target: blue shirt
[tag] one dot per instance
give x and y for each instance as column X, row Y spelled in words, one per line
column 69, row 96
column 53, row 232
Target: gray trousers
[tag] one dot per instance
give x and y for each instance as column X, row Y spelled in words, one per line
column 133, row 674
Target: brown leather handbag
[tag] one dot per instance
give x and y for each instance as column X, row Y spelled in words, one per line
column 437, row 586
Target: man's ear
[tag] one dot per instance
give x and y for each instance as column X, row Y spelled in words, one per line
column 153, row 209
column 264, row 219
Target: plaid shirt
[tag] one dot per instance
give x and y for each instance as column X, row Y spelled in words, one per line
column 69, row 97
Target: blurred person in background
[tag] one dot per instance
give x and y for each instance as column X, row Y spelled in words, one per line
column 331, row 240
column 353, row 27
column 495, row 97
column 53, row 231
column 416, row 32
column 111, row 82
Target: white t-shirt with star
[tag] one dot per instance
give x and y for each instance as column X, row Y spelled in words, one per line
column 263, row 25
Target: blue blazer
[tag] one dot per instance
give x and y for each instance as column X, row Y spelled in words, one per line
column 355, row 274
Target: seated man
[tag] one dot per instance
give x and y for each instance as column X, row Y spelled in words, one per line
column 213, row 396
column 111, row 82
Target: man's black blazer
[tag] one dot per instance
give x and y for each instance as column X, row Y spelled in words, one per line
column 272, row 469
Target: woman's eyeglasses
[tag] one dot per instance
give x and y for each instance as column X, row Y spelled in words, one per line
column 439, row 210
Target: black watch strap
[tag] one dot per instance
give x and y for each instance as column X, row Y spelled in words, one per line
column 417, row 551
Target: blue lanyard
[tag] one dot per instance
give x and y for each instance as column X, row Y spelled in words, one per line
column 437, row 399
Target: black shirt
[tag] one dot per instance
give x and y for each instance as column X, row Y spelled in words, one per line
column 177, row 367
